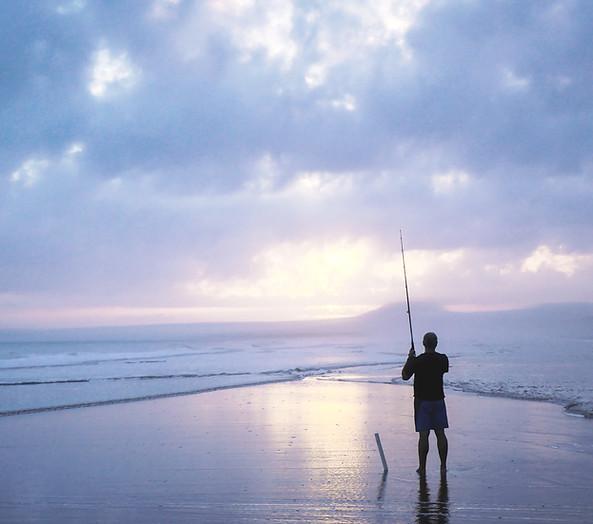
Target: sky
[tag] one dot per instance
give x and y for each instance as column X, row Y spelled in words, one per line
column 236, row 160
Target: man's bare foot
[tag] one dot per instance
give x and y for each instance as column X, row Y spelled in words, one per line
column 443, row 469
column 421, row 471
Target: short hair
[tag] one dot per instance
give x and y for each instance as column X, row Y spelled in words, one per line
column 430, row 340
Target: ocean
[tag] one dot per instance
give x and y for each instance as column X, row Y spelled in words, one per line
column 540, row 354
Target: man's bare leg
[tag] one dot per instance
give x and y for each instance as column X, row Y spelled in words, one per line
column 422, row 451
column 443, row 446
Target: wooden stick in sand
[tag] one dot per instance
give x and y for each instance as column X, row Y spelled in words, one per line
column 378, row 439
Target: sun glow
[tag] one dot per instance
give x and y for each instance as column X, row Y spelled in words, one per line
column 328, row 279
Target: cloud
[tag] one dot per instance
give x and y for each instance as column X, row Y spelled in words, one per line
column 179, row 154
column 29, row 173
column 544, row 258
column 109, row 72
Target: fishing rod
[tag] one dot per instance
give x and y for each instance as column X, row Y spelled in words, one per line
column 401, row 241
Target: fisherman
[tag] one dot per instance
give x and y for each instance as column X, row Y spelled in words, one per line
column 430, row 411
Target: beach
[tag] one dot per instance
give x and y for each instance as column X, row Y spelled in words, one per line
column 301, row 451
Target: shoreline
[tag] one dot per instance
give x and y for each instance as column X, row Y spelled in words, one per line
column 579, row 409
column 146, row 398
column 299, row 451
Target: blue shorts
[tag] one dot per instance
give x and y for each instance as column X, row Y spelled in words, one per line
column 430, row 414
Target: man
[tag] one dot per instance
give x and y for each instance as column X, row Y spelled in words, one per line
column 429, row 398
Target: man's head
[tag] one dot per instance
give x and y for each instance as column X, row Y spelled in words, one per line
column 430, row 340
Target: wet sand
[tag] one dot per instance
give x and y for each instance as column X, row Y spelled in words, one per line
column 295, row 452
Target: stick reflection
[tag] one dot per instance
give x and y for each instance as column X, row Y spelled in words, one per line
column 381, row 490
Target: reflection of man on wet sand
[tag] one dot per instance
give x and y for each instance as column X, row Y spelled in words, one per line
column 428, row 511
column 429, row 398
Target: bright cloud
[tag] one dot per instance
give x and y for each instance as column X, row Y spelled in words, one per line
column 544, row 258
column 513, row 81
column 33, row 170
column 384, row 22
column 259, row 26
column 450, row 182
column 322, row 185
column 30, row 172
column 109, row 72
column 72, row 7
column 164, row 9
column 425, row 267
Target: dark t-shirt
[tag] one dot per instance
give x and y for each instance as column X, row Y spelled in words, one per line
column 428, row 370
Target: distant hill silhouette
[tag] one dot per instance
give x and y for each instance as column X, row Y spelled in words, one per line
column 571, row 320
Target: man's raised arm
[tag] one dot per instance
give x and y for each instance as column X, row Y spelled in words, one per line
column 408, row 369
